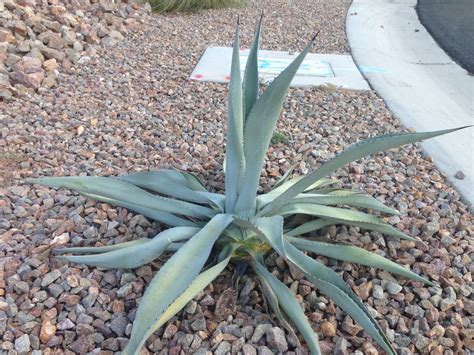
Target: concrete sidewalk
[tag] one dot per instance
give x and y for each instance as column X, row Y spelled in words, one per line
column 421, row 85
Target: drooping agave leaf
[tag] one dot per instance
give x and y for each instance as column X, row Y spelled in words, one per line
column 196, row 286
column 333, row 286
column 163, row 217
column 173, row 279
column 135, row 255
column 170, row 183
column 310, row 226
column 122, row 191
column 290, row 306
column 356, row 151
column 259, row 127
column 272, row 299
column 344, row 216
column 251, row 74
column 100, row 250
column 234, row 160
column 349, row 199
column 355, row 255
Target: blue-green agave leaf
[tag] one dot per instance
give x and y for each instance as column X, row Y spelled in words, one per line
column 259, row 127
column 291, row 307
column 344, row 216
column 355, row 255
column 348, row 198
column 173, row 279
column 234, row 160
column 163, row 217
column 196, row 286
column 102, row 249
column 333, row 286
column 251, row 74
column 135, row 255
column 310, row 226
column 172, row 183
column 355, row 152
column 122, row 191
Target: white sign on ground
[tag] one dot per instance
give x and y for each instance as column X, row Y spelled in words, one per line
column 274, row 66
column 316, row 69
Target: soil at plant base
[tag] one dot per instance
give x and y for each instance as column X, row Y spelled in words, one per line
column 130, row 107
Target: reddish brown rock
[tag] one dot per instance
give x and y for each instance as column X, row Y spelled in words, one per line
column 6, row 36
column 19, row 27
column 47, row 331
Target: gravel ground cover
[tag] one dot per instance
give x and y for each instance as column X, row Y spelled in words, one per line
column 132, row 108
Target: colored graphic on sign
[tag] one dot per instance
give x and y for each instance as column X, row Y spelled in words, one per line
column 274, row 66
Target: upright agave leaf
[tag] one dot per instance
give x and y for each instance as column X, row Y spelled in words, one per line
column 235, row 161
column 258, row 130
column 251, row 74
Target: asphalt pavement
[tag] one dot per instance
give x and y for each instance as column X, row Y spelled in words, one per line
column 451, row 24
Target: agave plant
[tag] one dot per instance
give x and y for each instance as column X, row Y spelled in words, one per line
column 242, row 225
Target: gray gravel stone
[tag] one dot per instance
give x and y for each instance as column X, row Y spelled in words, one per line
column 259, row 332
column 248, row 349
column 50, row 277
column 118, row 324
column 377, row 292
column 414, row 310
column 276, row 339
column 224, row 348
column 393, row 288
column 22, row 344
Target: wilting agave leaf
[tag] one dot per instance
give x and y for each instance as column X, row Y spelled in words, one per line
column 333, row 286
column 355, row 255
column 100, row 250
column 122, row 191
column 349, row 199
column 136, row 255
column 310, row 226
column 290, row 306
column 344, row 216
column 356, row 151
column 196, row 286
column 235, row 161
column 170, row 183
column 259, row 127
column 268, row 229
column 272, row 299
column 251, row 74
column 163, row 217
column 173, row 279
